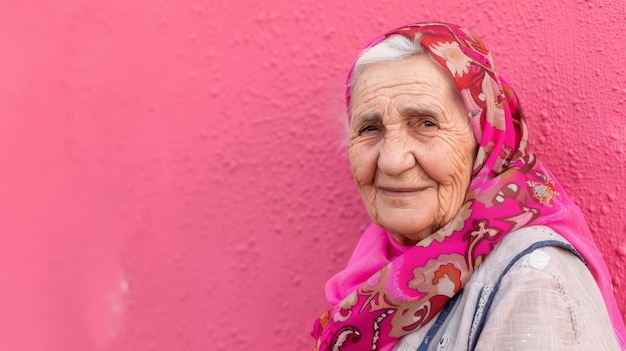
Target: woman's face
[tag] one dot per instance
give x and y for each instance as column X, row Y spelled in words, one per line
column 411, row 146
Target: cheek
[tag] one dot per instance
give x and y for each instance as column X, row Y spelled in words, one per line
column 467, row 158
column 442, row 168
column 452, row 163
column 451, row 167
column 363, row 164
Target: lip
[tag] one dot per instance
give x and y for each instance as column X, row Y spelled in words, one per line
column 399, row 192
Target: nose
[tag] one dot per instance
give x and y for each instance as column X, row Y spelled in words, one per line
column 396, row 156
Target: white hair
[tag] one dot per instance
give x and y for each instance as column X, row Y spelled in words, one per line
column 393, row 48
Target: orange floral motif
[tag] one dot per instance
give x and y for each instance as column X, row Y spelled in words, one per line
column 446, row 273
column 451, row 273
column 543, row 192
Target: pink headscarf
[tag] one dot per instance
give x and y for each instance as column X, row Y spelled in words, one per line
column 378, row 298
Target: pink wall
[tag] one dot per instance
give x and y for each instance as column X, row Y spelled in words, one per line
column 171, row 176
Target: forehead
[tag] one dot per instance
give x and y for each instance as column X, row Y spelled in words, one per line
column 416, row 75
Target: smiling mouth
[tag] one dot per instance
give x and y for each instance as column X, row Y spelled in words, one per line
column 399, row 192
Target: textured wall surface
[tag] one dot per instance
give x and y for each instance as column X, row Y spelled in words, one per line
column 171, row 172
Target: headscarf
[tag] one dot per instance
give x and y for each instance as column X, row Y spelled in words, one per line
column 388, row 291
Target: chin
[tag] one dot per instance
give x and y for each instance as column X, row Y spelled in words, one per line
column 405, row 232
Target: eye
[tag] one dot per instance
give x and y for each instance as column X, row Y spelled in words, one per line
column 424, row 124
column 428, row 124
column 368, row 128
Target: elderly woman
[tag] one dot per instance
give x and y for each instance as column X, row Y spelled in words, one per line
column 474, row 244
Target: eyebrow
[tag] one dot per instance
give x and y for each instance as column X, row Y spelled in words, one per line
column 418, row 111
column 368, row 117
column 371, row 117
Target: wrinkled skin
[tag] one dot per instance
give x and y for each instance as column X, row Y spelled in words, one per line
column 411, row 146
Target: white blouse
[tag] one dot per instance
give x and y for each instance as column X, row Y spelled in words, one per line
column 548, row 300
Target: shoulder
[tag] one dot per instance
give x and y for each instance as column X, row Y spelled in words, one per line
column 545, row 296
column 535, row 253
column 539, row 256
column 538, row 253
